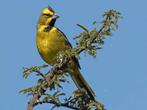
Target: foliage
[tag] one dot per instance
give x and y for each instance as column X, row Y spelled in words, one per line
column 88, row 41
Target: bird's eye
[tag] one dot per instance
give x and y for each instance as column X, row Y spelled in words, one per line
column 47, row 15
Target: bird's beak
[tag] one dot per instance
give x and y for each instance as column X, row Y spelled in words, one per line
column 55, row 16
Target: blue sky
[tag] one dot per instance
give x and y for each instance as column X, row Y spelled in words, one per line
column 118, row 75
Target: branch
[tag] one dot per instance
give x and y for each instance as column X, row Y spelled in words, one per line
column 52, row 102
column 89, row 42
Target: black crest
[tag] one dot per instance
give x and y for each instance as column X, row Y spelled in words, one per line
column 50, row 8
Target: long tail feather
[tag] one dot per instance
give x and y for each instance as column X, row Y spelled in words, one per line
column 82, row 83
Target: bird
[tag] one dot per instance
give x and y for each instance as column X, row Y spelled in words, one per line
column 50, row 40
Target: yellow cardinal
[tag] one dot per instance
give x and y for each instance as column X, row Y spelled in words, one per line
column 50, row 41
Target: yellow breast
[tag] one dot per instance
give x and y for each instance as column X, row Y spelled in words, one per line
column 50, row 43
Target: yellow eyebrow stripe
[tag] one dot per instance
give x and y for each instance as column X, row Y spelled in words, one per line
column 47, row 11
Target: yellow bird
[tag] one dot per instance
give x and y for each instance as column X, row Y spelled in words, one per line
column 50, row 41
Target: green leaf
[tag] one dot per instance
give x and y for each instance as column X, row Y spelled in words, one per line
column 24, row 91
column 83, row 27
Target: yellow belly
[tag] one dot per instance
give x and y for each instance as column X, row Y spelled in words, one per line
column 50, row 43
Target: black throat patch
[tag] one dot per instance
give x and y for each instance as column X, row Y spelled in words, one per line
column 50, row 25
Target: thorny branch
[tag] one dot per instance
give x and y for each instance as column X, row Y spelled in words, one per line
column 89, row 42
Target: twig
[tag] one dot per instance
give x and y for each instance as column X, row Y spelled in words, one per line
column 59, row 105
column 48, row 81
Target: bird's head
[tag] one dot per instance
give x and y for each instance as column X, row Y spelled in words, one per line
column 48, row 17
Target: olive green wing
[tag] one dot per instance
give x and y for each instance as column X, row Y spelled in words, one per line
column 68, row 43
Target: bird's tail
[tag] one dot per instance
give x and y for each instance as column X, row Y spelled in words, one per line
column 81, row 83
